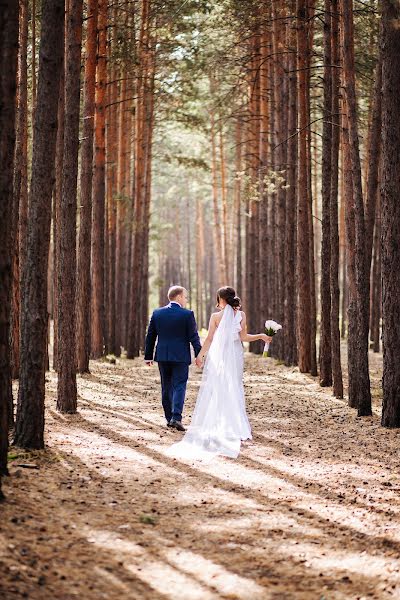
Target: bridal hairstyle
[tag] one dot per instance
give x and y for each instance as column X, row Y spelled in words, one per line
column 174, row 291
column 229, row 295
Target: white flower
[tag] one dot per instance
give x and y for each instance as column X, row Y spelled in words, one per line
column 272, row 326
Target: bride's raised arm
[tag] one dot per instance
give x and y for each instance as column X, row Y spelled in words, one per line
column 249, row 337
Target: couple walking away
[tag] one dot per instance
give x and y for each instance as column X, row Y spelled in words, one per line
column 219, row 421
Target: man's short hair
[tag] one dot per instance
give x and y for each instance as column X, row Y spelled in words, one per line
column 174, row 291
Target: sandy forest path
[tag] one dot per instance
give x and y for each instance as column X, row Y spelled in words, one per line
column 309, row 510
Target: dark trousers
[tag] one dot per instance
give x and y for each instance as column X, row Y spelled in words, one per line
column 174, row 378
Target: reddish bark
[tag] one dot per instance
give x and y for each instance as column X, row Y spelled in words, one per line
column 83, row 289
column 98, row 192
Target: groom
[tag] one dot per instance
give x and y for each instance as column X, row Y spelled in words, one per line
column 175, row 327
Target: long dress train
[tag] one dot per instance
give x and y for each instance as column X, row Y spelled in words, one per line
column 219, row 421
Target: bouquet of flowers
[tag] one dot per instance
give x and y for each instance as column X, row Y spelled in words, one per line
column 271, row 328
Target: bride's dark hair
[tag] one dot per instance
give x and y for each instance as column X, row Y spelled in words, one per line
column 229, row 295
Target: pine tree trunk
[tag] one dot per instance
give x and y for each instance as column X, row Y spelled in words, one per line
column 264, row 151
column 138, row 209
column 313, row 291
column 374, row 152
column 121, row 225
column 188, row 248
column 343, row 241
column 83, row 288
column 325, row 350
column 253, row 233
column 129, row 286
column 30, row 410
column 56, row 205
column 390, row 211
column 66, row 391
column 350, row 282
column 203, row 289
column 20, row 182
column 303, row 231
column 257, row 317
column 238, row 280
column 312, row 201
column 143, row 130
column 373, row 163
column 218, row 238
column 113, row 184
column 198, row 274
column 98, row 192
column 272, row 300
column 334, row 217
column 360, row 393
column 376, row 286
column 225, row 228
column 8, row 88
column 126, row 216
column 57, row 199
column 33, row 67
column 147, row 193
column 290, row 356
column 281, row 114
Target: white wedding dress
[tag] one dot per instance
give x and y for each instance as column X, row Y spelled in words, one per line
column 219, row 421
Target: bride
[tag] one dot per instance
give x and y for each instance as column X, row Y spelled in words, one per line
column 219, row 421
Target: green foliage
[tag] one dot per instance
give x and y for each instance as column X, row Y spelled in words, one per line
column 203, row 60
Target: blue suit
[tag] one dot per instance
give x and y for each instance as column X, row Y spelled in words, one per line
column 175, row 329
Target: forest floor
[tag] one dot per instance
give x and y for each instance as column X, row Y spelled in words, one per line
column 309, row 510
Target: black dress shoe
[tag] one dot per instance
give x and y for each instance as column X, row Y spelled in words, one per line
column 176, row 425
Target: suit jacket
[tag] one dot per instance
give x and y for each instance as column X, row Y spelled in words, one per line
column 175, row 327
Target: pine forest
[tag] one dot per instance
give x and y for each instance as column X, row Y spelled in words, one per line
column 146, row 144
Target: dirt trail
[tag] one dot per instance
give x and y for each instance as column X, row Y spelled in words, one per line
column 310, row 510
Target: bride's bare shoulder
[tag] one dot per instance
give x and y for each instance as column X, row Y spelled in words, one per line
column 217, row 316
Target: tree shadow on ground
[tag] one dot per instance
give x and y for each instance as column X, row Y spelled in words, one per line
column 294, row 572
column 306, row 485
column 351, row 539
